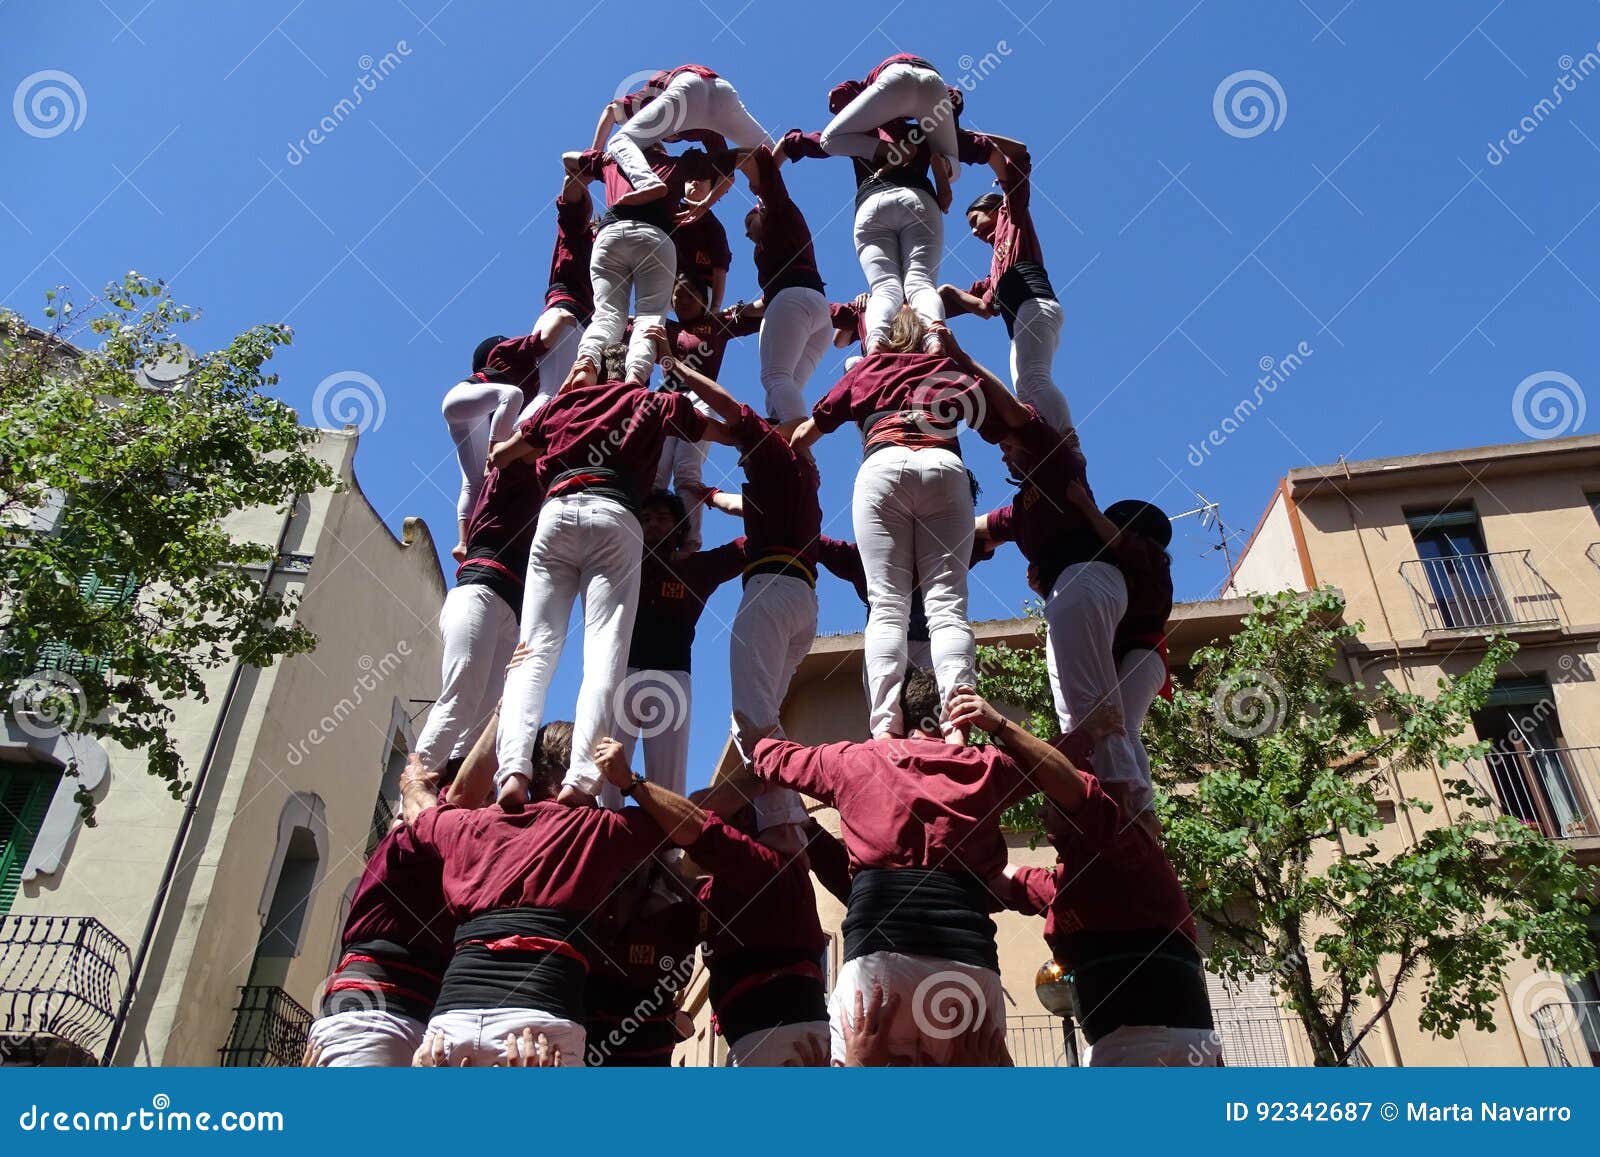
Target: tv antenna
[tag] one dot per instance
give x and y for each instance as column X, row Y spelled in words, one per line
column 1210, row 515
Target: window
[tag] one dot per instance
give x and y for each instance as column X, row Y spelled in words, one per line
column 291, row 886
column 1530, row 767
column 1456, row 561
column 25, row 794
column 97, row 591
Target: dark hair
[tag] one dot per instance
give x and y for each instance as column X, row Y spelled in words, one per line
column 674, row 507
column 552, row 755
column 614, row 362
column 987, row 202
column 972, row 480
column 480, row 356
column 699, row 286
column 1143, row 518
column 919, row 700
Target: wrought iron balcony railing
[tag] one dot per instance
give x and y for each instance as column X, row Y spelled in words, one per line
column 1474, row 592
column 269, row 1030
column 1250, row 1038
column 1553, row 789
column 61, row 979
column 1570, row 1033
column 384, row 814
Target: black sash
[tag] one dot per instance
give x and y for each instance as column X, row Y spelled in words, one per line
column 517, row 958
column 1134, row 978
column 920, row 912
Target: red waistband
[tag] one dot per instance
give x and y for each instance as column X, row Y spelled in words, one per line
column 531, row 944
column 755, row 980
column 492, row 564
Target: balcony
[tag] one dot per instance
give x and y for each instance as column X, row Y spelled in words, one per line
column 269, row 1030
column 1468, row 593
column 1570, row 1033
column 1552, row 790
column 1251, row 1038
column 61, row 980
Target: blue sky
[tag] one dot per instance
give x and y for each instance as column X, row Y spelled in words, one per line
column 1426, row 278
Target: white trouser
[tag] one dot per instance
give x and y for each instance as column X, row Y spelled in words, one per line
column 368, row 1038
column 773, row 629
column 940, row 1000
column 1083, row 610
column 1140, row 675
column 795, row 336
column 899, row 239
column 584, row 546
column 689, row 101
column 555, row 363
column 654, row 706
column 777, row 1046
column 629, row 255
column 1034, row 340
column 1155, row 1046
column 479, row 632
column 478, row 413
column 479, row 1035
column 901, row 90
column 913, row 521
column 682, row 464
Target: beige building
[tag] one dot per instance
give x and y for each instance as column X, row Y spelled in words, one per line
column 1432, row 552
column 300, row 765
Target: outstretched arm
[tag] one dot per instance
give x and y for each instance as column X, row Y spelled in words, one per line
column 720, row 401
column 1051, row 771
column 1002, row 404
column 602, row 129
column 1104, row 528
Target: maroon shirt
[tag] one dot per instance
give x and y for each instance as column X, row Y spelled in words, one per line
column 703, row 343
column 1015, row 238
column 653, row 87
column 1147, row 569
column 830, row 863
column 609, row 426
column 849, row 317
column 924, row 394
column 900, row 58
column 515, row 362
column 401, row 898
column 906, row 803
column 1046, row 527
column 757, row 899
column 500, row 530
column 784, row 255
column 702, row 247
column 548, row 856
column 674, row 171
column 652, row 923
column 672, row 595
column 781, row 511
column 844, row 560
column 1111, row 876
column 570, row 287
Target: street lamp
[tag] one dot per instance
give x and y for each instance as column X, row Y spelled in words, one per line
column 1054, row 988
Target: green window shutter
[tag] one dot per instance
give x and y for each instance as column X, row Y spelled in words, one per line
column 97, row 590
column 25, row 795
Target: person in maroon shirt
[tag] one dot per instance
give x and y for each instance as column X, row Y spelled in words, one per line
column 645, row 938
column 903, row 87
column 1017, row 286
column 699, row 336
column 1117, row 921
column 920, row 820
column 594, row 446
column 777, row 617
column 1136, row 535
column 702, row 245
column 1086, row 593
column 911, row 505
column 522, row 889
column 795, row 329
column 765, row 941
column 478, row 622
column 634, row 253
column 396, row 945
column 654, row 702
column 675, row 104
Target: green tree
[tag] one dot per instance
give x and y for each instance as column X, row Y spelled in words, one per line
column 121, row 585
column 1270, row 766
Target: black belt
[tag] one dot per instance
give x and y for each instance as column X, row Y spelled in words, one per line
column 658, row 213
column 383, row 974
column 935, row 430
column 597, row 480
column 1134, row 978
column 920, row 912
column 517, row 958
column 1024, row 281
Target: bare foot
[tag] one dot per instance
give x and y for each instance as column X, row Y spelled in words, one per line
column 641, row 196
column 459, row 552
